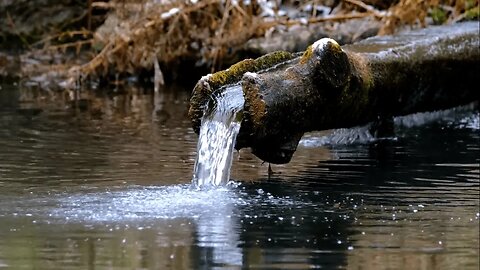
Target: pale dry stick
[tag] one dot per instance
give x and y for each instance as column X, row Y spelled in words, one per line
column 314, row 8
column 368, row 8
column 60, row 35
column 237, row 7
column 64, row 47
column 112, row 6
column 158, row 75
column 103, row 5
column 267, row 25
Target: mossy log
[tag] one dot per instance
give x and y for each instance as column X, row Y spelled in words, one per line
column 333, row 87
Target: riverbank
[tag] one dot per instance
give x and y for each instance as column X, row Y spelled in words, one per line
column 152, row 42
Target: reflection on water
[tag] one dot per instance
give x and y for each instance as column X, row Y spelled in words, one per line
column 104, row 182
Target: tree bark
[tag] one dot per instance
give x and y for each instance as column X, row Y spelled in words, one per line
column 333, row 87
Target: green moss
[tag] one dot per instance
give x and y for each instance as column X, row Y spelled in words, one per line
column 439, row 16
column 307, row 55
column 472, row 13
column 272, row 59
column 470, row 4
column 236, row 71
column 232, row 74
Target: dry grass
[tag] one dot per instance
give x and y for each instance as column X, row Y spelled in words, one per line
column 143, row 35
column 417, row 13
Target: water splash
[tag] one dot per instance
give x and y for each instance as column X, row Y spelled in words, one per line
column 218, row 132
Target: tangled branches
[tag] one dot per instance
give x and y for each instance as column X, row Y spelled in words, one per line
column 155, row 35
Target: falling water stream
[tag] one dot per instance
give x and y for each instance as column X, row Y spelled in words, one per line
column 218, row 132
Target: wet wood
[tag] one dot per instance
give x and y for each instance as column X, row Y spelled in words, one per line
column 334, row 87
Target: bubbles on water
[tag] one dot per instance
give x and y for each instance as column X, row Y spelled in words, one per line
column 147, row 203
column 143, row 206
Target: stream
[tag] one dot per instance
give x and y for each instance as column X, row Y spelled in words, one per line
column 103, row 181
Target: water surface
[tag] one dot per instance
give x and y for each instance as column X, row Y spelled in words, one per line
column 103, row 182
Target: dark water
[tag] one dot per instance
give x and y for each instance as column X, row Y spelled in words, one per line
column 104, row 183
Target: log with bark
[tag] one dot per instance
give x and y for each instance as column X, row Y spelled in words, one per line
column 329, row 86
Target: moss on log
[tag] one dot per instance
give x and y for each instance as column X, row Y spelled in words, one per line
column 208, row 84
column 333, row 87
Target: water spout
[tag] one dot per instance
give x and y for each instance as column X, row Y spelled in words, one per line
column 219, row 128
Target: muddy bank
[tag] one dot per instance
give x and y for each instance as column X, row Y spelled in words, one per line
column 330, row 86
